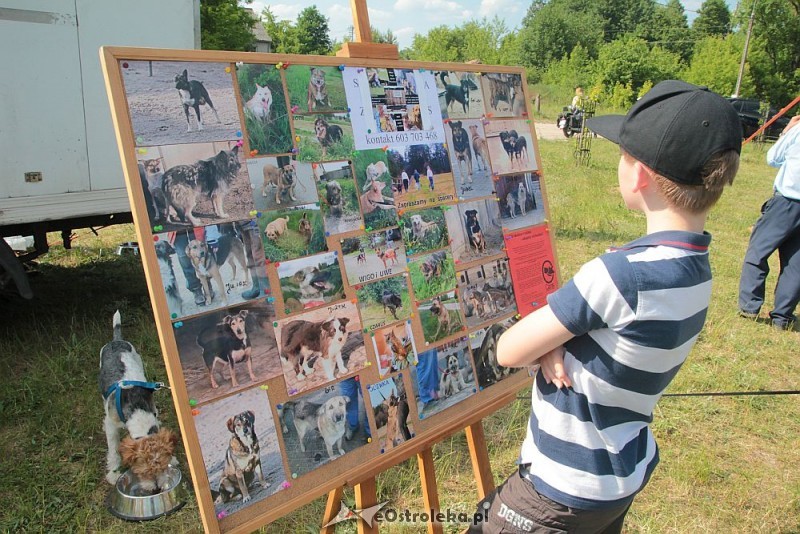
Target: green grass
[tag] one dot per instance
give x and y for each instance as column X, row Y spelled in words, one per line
column 309, row 148
column 297, row 78
column 291, row 244
column 728, row 464
column 445, row 281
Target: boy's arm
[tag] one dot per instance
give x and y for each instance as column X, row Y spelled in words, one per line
column 777, row 153
column 531, row 338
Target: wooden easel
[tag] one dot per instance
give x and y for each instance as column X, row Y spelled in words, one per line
column 366, row 489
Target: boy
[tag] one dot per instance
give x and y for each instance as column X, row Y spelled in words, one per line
column 611, row 339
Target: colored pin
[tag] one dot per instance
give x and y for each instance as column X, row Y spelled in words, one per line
column 178, row 324
column 341, row 67
column 286, row 484
column 192, row 403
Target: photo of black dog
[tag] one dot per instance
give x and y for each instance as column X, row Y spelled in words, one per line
column 511, row 146
column 463, row 152
column 457, row 93
column 474, row 233
column 483, row 343
column 384, row 302
column 327, row 134
column 476, row 230
column 227, row 345
column 193, row 95
column 391, row 300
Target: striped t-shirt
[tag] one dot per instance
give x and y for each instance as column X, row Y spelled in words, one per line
column 635, row 312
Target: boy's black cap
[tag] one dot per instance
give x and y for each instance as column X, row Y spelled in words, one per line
column 674, row 129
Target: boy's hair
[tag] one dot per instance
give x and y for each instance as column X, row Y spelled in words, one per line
column 719, row 171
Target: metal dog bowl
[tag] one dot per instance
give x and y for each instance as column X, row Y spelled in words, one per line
column 125, row 502
column 128, row 247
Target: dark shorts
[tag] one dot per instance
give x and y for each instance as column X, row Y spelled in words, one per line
column 516, row 507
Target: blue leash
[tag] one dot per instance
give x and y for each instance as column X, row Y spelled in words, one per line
column 117, row 387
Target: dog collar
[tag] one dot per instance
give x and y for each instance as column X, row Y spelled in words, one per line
column 117, row 387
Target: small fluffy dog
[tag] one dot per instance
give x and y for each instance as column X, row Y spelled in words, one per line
column 333, row 195
column 276, row 228
column 312, row 282
column 227, row 344
column 329, row 419
column 128, row 401
column 212, row 177
column 391, row 300
column 434, row 265
column 193, row 95
column 303, row 342
column 284, row 180
column 327, row 134
column 451, row 381
column 317, row 90
column 474, row 233
column 206, row 263
column 420, row 228
column 260, row 104
column 164, row 253
column 304, row 227
column 373, row 197
column 242, row 460
column 461, row 146
column 480, row 148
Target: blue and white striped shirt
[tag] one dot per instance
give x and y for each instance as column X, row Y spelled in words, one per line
column 635, row 312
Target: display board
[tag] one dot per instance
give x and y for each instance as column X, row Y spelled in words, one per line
column 332, row 247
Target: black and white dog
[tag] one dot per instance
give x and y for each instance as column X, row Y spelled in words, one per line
column 129, row 405
column 227, row 344
column 193, row 94
column 164, row 253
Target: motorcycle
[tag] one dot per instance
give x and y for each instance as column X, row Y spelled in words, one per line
column 570, row 122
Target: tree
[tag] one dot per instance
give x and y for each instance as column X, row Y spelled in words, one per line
column 312, row 32
column 631, row 62
column 475, row 39
column 441, row 44
column 671, row 30
column 716, row 64
column 713, row 18
column 282, row 33
column 621, row 17
column 225, row 25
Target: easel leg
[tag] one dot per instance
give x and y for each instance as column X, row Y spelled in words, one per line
column 366, row 496
column 430, row 494
column 332, row 508
column 479, row 454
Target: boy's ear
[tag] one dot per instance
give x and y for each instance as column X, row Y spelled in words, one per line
column 643, row 176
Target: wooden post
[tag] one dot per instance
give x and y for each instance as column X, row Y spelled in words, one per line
column 479, row 454
column 363, row 46
column 332, row 508
column 366, row 495
column 430, row 494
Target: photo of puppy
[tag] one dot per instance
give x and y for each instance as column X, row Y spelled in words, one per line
column 266, row 114
column 483, row 343
column 228, row 350
column 310, row 282
column 432, row 274
column 206, row 261
column 428, row 180
column 391, row 410
column 503, row 95
column 315, row 89
column 520, row 200
column 475, row 229
column 459, row 95
column 486, row 292
column 384, row 302
column 424, row 230
column 293, row 233
column 375, row 188
column 326, row 137
column 280, row 183
column 170, row 102
column 373, row 256
column 511, row 147
column 240, row 450
column 318, row 426
column 320, row 346
column 469, row 151
column 440, row 317
column 443, row 377
column 394, row 348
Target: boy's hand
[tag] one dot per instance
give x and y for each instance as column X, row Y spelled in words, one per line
column 552, row 364
column 792, row 123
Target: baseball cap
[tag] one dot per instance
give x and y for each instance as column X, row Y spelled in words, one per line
column 674, row 129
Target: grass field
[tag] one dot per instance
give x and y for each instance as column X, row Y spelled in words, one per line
column 728, row 463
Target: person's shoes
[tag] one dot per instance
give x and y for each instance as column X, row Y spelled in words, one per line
column 748, row 315
column 253, row 292
column 783, row 325
column 199, row 298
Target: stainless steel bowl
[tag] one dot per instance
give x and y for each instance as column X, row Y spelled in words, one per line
column 125, row 503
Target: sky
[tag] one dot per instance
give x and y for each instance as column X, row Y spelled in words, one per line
column 407, row 17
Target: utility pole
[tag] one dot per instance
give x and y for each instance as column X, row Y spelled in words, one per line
column 744, row 52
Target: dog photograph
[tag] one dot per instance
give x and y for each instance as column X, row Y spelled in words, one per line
column 469, row 153
column 520, row 200
column 228, row 350
column 475, row 229
column 460, row 95
column 391, row 410
column 292, row 233
column 502, row 94
column 432, row 274
column 511, row 146
column 314, row 89
column 424, row 230
column 375, row 189
column 394, row 347
column 486, row 292
column 373, row 256
column 210, row 267
column 239, row 443
column 421, row 175
column 320, row 346
column 323, row 137
column 175, row 102
column 323, row 426
column 310, row 282
column 483, row 343
column 338, row 196
column 200, row 184
column 443, row 377
column 440, row 317
column 384, row 302
column 266, row 115
column 281, row 182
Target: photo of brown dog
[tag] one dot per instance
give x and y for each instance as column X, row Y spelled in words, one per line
column 391, row 410
column 281, row 182
column 394, row 347
column 486, row 292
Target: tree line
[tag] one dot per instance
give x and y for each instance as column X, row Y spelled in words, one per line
column 615, row 49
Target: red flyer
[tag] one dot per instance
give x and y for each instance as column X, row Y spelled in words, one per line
column 533, row 267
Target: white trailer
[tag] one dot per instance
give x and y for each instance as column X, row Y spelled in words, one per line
column 59, row 163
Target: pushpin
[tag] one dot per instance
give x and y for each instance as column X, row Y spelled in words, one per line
column 238, row 133
column 174, row 316
column 327, row 234
column 158, row 228
column 422, row 70
column 474, row 390
column 369, row 131
column 359, row 70
column 286, row 484
column 192, row 403
column 297, row 138
column 227, row 69
column 270, row 299
column 267, row 290
column 381, row 451
column 278, row 65
column 253, row 152
column 341, row 67
column 195, row 412
column 295, row 109
column 253, row 213
column 275, row 323
column 481, row 388
column 294, row 151
column 287, row 310
column 240, row 143
column 155, row 238
column 125, row 65
column 178, row 324
column 139, row 139
column 142, row 151
column 369, row 440
column 385, row 148
column 264, row 387
column 222, row 514
column 286, row 65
